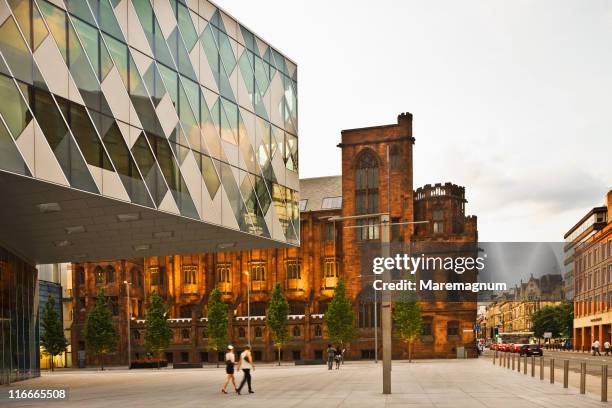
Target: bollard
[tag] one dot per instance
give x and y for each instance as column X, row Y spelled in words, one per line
column 513, row 365
column 518, row 369
column 552, row 370
column 604, row 383
column 533, row 366
column 583, row 378
column 541, row 368
column 525, row 365
column 508, row 362
column 494, row 356
column 565, row 373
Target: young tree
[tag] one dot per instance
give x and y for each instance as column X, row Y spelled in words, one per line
column 276, row 320
column 157, row 330
column 552, row 319
column 339, row 318
column 52, row 338
column 217, row 322
column 408, row 322
column 100, row 333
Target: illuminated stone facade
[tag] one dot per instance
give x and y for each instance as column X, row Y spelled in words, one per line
column 309, row 273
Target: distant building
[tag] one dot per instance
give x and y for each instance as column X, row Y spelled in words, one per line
column 511, row 311
column 308, row 274
column 589, row 245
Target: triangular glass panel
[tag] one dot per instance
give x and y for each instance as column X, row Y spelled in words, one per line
column 10, row 158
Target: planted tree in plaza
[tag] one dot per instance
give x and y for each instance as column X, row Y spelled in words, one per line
column 557, row 320
column 217, row 322
column 408, row 322
column 340, row 318
column 52, row 337
column 100, row 333
column 157, row 330
column 277, row 319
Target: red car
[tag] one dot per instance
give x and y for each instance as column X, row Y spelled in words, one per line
column 516, row 348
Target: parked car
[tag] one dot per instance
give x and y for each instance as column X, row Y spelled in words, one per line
column 516, row 348
column 493, row 346
column 531, row 350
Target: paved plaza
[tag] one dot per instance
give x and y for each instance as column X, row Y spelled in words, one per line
column 424, row 383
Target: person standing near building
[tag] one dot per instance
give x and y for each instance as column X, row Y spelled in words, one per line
column 607, row 348
column 596, row 348
column 331, row 355
column 246, row 364
column 338, row 357
column 230, row 362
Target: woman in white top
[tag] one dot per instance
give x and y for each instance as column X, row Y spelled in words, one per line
column 230, row 361
column 246, row 364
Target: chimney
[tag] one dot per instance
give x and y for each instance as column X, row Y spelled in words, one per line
column 609, row 203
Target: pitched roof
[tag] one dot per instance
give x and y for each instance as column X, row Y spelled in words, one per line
column 314, row 190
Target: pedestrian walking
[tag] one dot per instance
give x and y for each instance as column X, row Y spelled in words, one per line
column 607, row 348
column 331, row 355
column 246, row 365
column 596, row 348
column 338, row 357
column 230, row 362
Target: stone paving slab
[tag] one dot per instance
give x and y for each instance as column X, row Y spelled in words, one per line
column 424, row 383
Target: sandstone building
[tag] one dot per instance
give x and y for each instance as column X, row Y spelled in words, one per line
column 376, row 165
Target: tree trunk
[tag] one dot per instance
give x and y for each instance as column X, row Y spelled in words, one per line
column 52, row 368
column 279, row 355
column 102, row 362
column 410, row 352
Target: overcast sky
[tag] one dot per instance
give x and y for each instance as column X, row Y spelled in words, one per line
column 512, row 99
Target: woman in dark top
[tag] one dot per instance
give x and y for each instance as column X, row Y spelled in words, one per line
column 230, row 361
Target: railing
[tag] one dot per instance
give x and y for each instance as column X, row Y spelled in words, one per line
column 510, row 360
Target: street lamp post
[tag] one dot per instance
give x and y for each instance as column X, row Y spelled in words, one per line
column 248, row 308
column 129, row 319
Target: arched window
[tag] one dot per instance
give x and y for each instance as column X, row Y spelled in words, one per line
column 241, row 332
column 296, row 331
column 366, row 183
column 80, row 274
column 258, row 332
column 99, row 275
column 395, row 158
column 110, row 274
column 317, row 331
column 136, row 277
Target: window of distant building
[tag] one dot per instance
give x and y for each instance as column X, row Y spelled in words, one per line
column 189, row 274
column 427, row 327
column 318, row 332
column 258, row 332
column 297, row 308
column 368, row 229
column 258, row 308
column 303, row 204
column 366, row 315
column 294, row 269
column 157, row 276
column 185, row 312
column 438, row 221
column 452, row 328
column 296, row 331
column 331, row 267
column 136, row 275
column 113, row 304
column 110, row 274
column 328, row 229
column 331, row 203
column 241, row 332
column 224, row 272
column 99, row 276
column 258, row 271
column 80, row 275
column 185, row 334
column 395, row 158
column 366, row 183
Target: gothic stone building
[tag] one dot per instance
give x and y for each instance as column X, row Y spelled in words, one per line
column 376, row 164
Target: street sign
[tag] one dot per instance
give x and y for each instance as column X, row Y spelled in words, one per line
column 547, row 335
column 477, row 327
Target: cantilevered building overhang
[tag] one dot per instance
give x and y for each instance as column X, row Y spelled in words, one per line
column 134, row 127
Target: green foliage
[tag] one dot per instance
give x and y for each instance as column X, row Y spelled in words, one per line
column 276, row 320
column 217, row 322
column 157, row 330
column 340, row 318
column 100, row 333
column 557, row 320
column 52, row 339
column 408, row 322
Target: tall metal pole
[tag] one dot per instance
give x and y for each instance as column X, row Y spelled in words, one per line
column 248, row 308
column 386, row 308
column 129, row 345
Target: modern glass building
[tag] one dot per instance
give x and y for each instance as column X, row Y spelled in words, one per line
column 131, row 128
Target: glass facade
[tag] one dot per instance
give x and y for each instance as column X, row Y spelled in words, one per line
column 171, row 105
column 19, row 357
